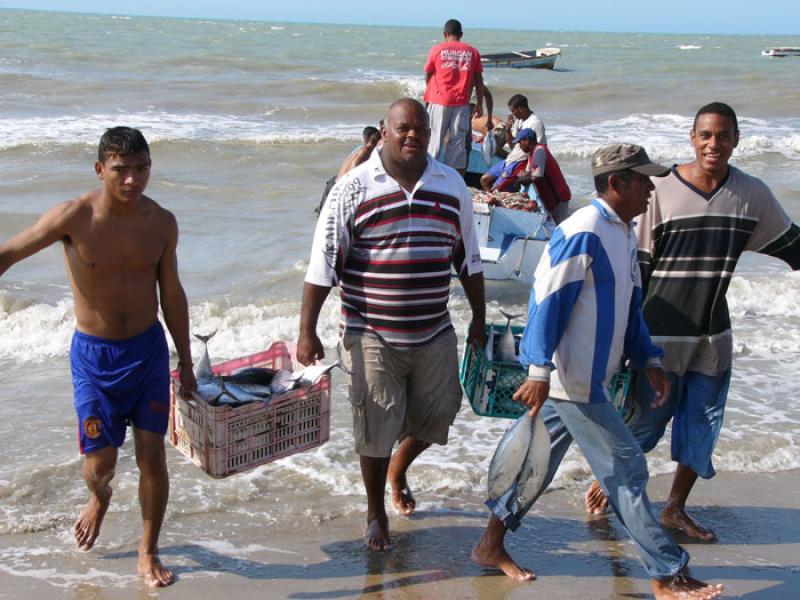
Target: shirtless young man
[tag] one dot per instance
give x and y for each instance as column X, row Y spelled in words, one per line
column 118, row 246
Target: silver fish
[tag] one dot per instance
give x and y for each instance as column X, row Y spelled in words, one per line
column 285, row 380
column 203, row 368
column 521, row 461
column 506, row 347
column 214, row 391
column 246, row 385
column 490, row 344
column 534, row 470
column 256, row 376
column 509, row 456
column 217, row 391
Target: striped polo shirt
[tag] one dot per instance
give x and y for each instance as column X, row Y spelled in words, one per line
column 689, row 244
column 391, row 251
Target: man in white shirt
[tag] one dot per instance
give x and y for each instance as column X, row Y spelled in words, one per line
column 521, row 117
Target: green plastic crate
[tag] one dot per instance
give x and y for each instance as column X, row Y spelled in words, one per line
column 490, row 384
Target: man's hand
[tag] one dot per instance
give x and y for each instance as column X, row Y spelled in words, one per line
column 478, row 112
column 188, row 381
column 309, row 349
column 532, row 393
column 476, row 334
column 661, row 385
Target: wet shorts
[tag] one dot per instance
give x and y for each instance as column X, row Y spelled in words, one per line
column 398, row 393
column 117, row 382
column 696, row 406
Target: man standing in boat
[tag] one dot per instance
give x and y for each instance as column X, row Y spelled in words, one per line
column 388, row 236
column 701, row 218
column 585, row 312
column 522, row 117
column 453, row 68
column 120, row 252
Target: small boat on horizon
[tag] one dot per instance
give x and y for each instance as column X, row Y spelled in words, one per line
column 781, row 51
column 541, row 58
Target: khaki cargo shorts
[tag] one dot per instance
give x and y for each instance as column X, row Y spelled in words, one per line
column 398, row 393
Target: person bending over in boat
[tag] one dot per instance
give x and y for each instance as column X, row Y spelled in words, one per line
column 549, row 186
column 507, row 175
column 119, row 249
column 587, row 277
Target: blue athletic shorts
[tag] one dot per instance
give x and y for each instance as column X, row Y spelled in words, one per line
column 696, row 406
column 117, row 382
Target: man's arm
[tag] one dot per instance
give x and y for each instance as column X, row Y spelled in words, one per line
column 474, row 289
column 479, row 93
column 175, row 306
column 309, row 346
column 489, row 108
column 51, row 227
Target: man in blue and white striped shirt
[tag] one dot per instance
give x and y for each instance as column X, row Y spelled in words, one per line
column 585, row 316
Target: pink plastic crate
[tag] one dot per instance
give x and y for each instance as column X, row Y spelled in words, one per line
column 223, row 440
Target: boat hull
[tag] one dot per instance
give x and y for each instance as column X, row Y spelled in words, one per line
column 511, row 242
column 544, row 58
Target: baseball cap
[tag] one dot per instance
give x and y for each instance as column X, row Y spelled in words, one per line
column 621, row 157
column 524, row 133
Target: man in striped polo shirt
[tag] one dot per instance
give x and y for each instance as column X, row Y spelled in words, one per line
column 585, row 313
column 389, row 234
column 701, row 218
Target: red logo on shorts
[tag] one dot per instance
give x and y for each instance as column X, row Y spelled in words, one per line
column 92, row 427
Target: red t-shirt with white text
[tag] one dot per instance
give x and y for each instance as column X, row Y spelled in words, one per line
column 453, row 66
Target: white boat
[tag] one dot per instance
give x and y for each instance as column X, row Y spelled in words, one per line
column 541, row 58
column 511, row 241
column 781, row 51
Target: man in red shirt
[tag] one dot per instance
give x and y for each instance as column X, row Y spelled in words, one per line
column 451, row 71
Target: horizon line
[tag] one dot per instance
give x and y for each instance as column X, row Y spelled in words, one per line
column 347, row 24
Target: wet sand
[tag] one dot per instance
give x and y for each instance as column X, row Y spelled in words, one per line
column 757, row 518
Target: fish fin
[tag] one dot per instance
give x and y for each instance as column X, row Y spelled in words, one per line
column 205, row 338
column 509, row 316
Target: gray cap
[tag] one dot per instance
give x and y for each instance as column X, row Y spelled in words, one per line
column 620, row 157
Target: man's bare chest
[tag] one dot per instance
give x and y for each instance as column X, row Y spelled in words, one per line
column 110, row 250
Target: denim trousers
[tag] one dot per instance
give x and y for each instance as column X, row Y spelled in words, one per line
column 619, row 465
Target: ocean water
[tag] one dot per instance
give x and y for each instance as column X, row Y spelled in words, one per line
column 246, row 122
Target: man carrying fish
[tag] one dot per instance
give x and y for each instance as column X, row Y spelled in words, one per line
column 584, row 316
column 120, row 252
column 701, row 218
column 389, row 235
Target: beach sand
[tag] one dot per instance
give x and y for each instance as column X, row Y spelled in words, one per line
column 757, row 518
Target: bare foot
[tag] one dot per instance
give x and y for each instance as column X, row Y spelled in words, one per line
column 87, row 527
column 402, row 498
column 490, row 552
column 596, row 501
column 685, row 588
column 376, row 537
column 155, row 574
column 676, row 518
